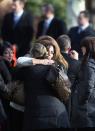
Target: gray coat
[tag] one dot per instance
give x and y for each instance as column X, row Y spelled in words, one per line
column 83, row 98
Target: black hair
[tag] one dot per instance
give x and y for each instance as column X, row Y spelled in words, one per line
column 85, row 13
column 49, row 7
column 4, row 46
column 89, row 44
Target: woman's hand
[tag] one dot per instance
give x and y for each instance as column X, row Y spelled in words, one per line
column 74, row 54
column 43, row 62
column 47, row 62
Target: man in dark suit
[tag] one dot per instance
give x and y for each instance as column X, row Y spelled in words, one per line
column 17, row 27
column 81, row 31
column 73, row 62
column 50, row 25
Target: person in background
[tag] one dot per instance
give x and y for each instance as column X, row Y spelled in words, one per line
column 17, row 27
column 15, row 110
column 83, row 99
column 50, row 25
column 6, row 63
column 64, row 43
column 7, row 54
column 79, row 32
column 5, row 79
column 72, row 59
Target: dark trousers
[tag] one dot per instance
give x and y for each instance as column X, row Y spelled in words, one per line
column 16, row 120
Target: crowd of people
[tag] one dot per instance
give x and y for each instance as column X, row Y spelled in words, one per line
column 47, row 83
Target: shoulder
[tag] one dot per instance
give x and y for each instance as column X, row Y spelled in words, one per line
column 89, row 28
column 40, row 68
column 90, row 31
column 91, row 64
column 60, row 66
column 20, row 73
column 8, row 15
column 73, row 28
column 73, row 31
column 2, row 63
column 66, row 56
column 41, row 22
column 59, row 21
column 88, row 69
column 27, row 13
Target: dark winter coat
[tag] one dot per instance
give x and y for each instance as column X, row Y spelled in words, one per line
column 83, row 100
column 5, row 78
column 57, row 27
column 42, row 107
column 4, row 71
column 21, row 34
column 76, row 37
column 73, row 68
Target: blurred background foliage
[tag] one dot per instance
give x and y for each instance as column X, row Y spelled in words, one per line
column 59, row 5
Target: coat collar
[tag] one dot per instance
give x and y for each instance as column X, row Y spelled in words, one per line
column 20, row 20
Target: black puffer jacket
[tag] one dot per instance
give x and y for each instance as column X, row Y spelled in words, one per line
column 42, row 107
column 83, row 100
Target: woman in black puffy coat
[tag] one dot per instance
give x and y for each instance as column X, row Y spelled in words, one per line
column 83, row 99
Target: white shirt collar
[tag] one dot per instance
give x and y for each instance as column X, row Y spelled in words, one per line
column 19, row 14
column 84, row 26
column 48, row 21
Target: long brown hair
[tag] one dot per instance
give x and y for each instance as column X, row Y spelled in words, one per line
column 89, row 44
column 47, row 40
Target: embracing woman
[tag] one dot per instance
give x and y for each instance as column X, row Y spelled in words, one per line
column 43, row 107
